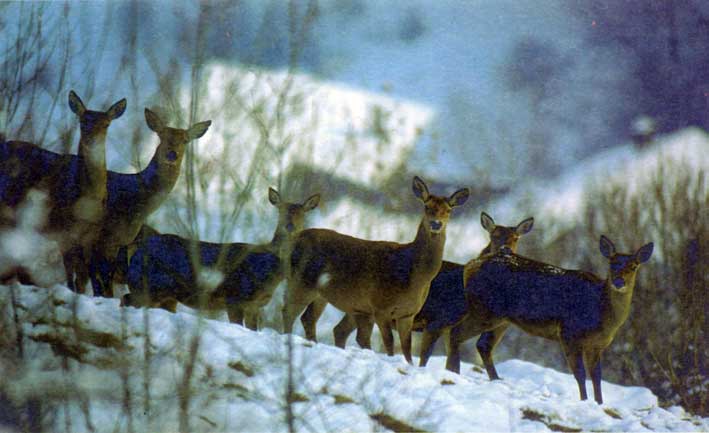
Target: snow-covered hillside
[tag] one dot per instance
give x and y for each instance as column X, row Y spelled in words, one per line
column 326, row 125
column 564, row 198
column 266, row 123
column 118, row 377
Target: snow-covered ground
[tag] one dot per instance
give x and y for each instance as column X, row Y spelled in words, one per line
column 564, row 198
column 239, row 378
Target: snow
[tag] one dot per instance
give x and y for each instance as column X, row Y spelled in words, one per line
column 25, row 247
column 563, row 198
column 239, row 379
column 324, row 122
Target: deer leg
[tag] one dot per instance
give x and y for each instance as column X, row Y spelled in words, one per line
column 384, row 324
column 453, row 358
column 81, row 271
column 295, row 303
column 365, row 325
column 345, row 327
column 403, row 327
column 428, row 342
column 235, row 314
column 574, row 357
column 68, row 259
column 169, row 304
column 593, row 364
column 486, row 344
column 101, row 270
column 251, row 320
column 310, row 317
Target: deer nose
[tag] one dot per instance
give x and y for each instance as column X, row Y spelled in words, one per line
column 171, row 156
column 436, row 225
column 619, row 282
column 290, row 227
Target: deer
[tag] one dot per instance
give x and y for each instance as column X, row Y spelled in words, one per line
column 74, row 184
column 445, row 304
column 371, row 281
column 580, row 310
column 133, row 197
column 166, row 269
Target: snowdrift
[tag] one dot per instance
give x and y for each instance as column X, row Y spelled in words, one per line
column 100, row 367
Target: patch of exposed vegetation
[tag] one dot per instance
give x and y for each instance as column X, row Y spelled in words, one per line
column 61, row 347
column 547, row 420
column 393, row 424
column 240, row 390
column 297, row 397
column 342, row 399
column 241, row 368
column 103, row 340
column 612, row 413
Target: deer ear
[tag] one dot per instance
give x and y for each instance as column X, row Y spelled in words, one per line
column 117, row 109
column 459, row 197
column 420, row 189
column 312, row 202
column 643, row 254
column 198, row 129
column 153, row 120
column 75, row 104
column 525, row 226
column 607, row 247
column 273, row 196
column 487, row 222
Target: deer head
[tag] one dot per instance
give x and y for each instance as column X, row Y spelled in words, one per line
column 502, row 236
column 437, row 208
column 95, row 123
column 291, row 216
column 173, row 140
column 623, row 267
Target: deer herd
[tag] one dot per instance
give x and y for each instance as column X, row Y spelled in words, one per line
column 97, row 218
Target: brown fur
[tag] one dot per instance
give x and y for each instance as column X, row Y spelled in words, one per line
column 374, row 281
column 501, row 237
column 246, row 285
column 73, row 222
column 126, row 213
column 582, row 341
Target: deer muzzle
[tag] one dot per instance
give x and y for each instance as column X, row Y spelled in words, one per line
column 436, row 226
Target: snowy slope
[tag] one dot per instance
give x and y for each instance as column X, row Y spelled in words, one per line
column 239, row 379
column 325, row 124
column 265, row 123
column 563, row 198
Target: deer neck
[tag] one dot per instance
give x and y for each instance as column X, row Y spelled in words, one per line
column 280, row 241
column 92, row 152
column 428, row 248
column 157, row 181
column 618, row 304
column 486, row 250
